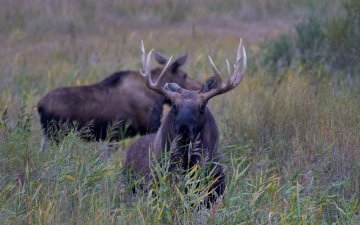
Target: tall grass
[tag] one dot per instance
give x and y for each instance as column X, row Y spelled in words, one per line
column 74, row 183
column 299, row 128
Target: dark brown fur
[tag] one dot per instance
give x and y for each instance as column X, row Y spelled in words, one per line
column 189, row 124
column 120, row 99
column 185, row 107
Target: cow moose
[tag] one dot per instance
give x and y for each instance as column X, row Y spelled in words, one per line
column 122, row 99
column 189, row 121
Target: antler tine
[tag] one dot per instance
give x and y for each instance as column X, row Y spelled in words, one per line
column 216, row 71
column 238, row 54
column 146, row 72
column 234, row 78
column 146, row 61
column 240, row 75
column 228, row 68
column 143, row 55
column 162, row 72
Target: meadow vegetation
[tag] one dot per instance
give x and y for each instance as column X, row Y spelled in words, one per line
column 289, row 133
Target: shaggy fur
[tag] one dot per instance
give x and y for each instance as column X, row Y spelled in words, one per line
column 188, row 109
column 121, row 102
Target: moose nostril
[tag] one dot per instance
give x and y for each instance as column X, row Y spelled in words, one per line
column 187, row 131
column 183, row 129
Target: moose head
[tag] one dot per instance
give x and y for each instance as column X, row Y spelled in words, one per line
column 174, row 72
column 189, row 113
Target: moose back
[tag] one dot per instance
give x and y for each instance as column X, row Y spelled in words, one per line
column 121, row 100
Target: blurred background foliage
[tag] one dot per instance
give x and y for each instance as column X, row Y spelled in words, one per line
column 330, row 41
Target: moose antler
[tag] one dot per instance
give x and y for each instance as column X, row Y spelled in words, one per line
column 146, row 72
column 234, row 78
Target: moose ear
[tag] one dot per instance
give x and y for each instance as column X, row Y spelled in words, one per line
column 173, row 87
column 160, row 58
column 209, row 84
column 178, row 62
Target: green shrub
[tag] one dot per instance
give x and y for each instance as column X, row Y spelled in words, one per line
column 318, row 41
column 278, row 53
column 344, row 37
column 311, row 40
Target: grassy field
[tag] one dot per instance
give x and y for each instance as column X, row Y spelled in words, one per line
column 289, row 133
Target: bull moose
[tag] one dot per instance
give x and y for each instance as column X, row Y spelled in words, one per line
column 189, row 121
column 122, row 99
